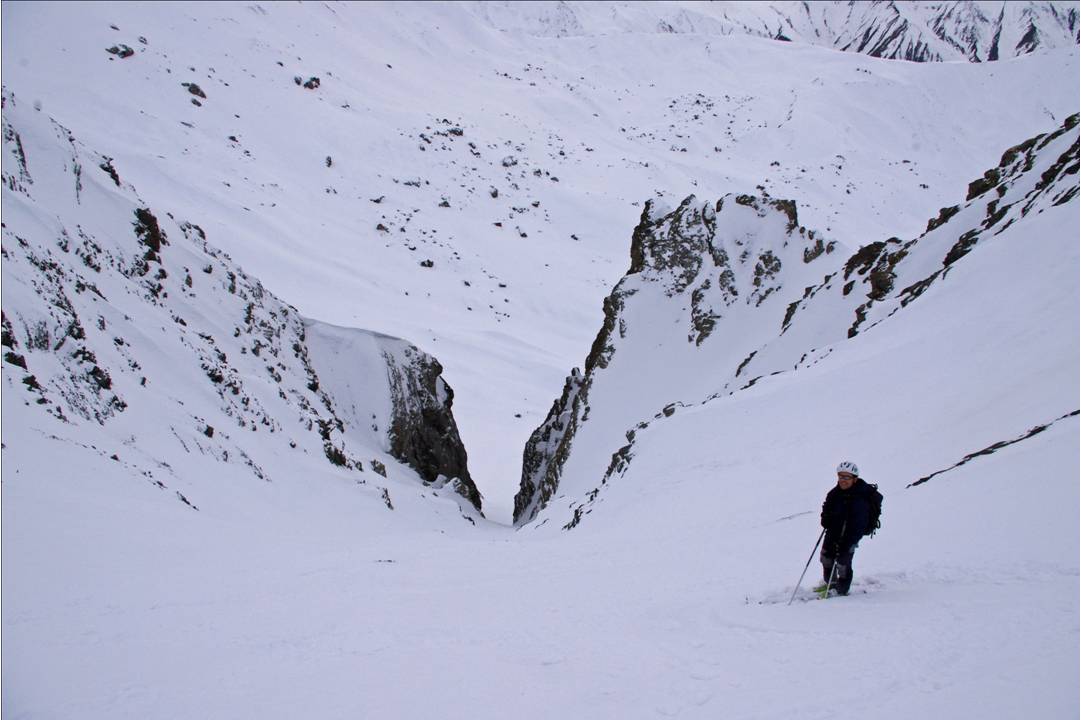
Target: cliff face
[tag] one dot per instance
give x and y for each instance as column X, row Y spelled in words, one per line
column 423, row 433
column 122, row 317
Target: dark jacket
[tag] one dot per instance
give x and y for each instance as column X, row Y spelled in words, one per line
column 846, row 515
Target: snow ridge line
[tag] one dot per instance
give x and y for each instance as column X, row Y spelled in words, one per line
column 994, row 448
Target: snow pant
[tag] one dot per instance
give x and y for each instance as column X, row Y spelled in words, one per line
column 842, row 577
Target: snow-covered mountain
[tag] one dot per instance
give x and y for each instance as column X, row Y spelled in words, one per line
column 914, row 31
column 410, row 170
column 721, row 296
column 342, row 210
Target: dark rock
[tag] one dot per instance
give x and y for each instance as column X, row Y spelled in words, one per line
column 335, row 455
column 547, row 450
column 149, row 233
column 943, row 217
column 101, row 378
column 813, row 253
column 423, row 433
column 121, row 51
column 195, row 90
column 107, row 166
column 979, row 187
column 15, row 359
column 961, row 247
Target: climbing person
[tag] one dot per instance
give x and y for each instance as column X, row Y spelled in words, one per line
column 850, row 511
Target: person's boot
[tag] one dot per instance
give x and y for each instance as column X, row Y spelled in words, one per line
column 843, row 580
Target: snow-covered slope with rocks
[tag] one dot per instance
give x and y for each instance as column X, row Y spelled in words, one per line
column 133, row 328
column 448, row 175
column 410, row 170
column 708, row 282
column 721, row 296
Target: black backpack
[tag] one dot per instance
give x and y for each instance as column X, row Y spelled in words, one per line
column 874, row 499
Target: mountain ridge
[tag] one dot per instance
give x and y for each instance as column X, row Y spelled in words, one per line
column 1037, row 174
column 912, row 31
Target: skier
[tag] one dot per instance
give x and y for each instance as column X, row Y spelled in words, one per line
column 847, row 515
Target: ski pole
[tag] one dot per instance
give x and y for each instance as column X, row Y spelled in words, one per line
column 820, row 536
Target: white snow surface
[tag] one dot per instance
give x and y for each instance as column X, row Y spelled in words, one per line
column 307, row 596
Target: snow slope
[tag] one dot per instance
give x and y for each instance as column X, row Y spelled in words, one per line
column 710, row 285
column 308, row 596
column 431, row 111
column 134, row 339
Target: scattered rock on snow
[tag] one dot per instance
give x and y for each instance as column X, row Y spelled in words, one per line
column 195, row 90
column 121, row 51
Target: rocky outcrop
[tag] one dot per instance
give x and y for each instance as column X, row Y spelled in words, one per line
column 704, row 262
column 1011, row 190
column 883, row 277
column 546, row 450
column 423, row 433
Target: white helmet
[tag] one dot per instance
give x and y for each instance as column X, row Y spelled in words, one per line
column 848, row 467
